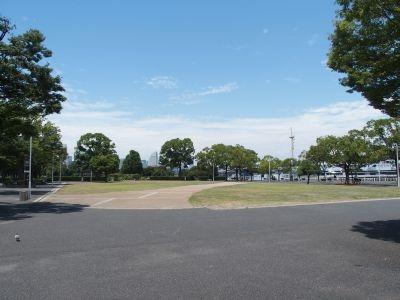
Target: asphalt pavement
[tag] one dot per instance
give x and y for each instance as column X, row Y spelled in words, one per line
column 334, row 251
column 11, row 195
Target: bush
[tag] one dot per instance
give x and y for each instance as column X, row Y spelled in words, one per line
column 129, row 176
column 79, row 178
column 157, row 171
column 8, row 181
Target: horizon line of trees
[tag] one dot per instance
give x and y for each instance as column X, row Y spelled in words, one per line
column 376, row 141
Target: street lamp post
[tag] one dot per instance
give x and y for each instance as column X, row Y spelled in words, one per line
column 213, row 171
column 269, row 170
column 30, row 169
column 397, row 164
column 60, row 169
column 52, row 170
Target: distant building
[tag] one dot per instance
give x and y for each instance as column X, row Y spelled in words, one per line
column 68, row 161
column 154, row 160
column 388, row 165
column 144, row 163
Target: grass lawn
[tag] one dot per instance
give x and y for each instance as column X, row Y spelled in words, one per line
column 121, row 186
column 256, row 194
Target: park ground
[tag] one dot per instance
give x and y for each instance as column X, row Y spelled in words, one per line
column 189, row 194
column 265, row 194
column 79, row 188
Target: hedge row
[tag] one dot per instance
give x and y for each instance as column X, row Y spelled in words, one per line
column 79, row 178
column 201, row 178
column 119, row 177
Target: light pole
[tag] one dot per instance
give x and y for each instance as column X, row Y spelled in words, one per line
column 213, row 166
column 213, row 172
column 269, row 170
column 60, row 169
column 397, row 164
column 30, row 169
column 52, row 170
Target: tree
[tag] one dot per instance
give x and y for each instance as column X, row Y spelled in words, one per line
column 46, row 144
column 265, row 164
column 243, row 159
column 288, row 165
column 28, row 90
column 350, row 151
column 268, row 162
column 207, row 162
column 104, row 164
column 177, row 153
column 47, row 148
column 132, row 163
column 92, row 145
column 384, row 134
column 306, row 167
column 223, row 156
column 156, row 171
column 365, row 46
column 318, row 154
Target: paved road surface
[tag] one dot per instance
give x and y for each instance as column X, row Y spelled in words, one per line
column 11, row 195
column 336, row 251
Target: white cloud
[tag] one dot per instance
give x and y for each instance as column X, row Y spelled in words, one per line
column 226, row 88
column 190, row 98
column 264, row 135
column 162, row 82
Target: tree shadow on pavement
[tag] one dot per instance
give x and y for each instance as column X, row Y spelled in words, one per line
column 381, row 230
column 16, row 211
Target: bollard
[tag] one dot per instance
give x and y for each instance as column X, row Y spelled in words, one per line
column 23, row 196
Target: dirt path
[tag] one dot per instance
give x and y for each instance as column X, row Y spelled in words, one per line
column 166, row 198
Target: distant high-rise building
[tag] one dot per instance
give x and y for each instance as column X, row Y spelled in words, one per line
column 121, row 161
column 68, row 161
column 144, row 163
column 154, row 160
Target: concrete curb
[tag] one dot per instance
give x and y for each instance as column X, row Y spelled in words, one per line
column 45, row 196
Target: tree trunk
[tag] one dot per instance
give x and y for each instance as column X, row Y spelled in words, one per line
column 226, row 172
column 180, row 170
column 237, row 174
column 308, row 178
column 347, row 174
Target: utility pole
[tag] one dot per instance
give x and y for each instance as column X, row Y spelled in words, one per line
column 30, row 169
column 291, row 137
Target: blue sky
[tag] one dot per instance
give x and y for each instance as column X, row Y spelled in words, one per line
column 144, row 71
